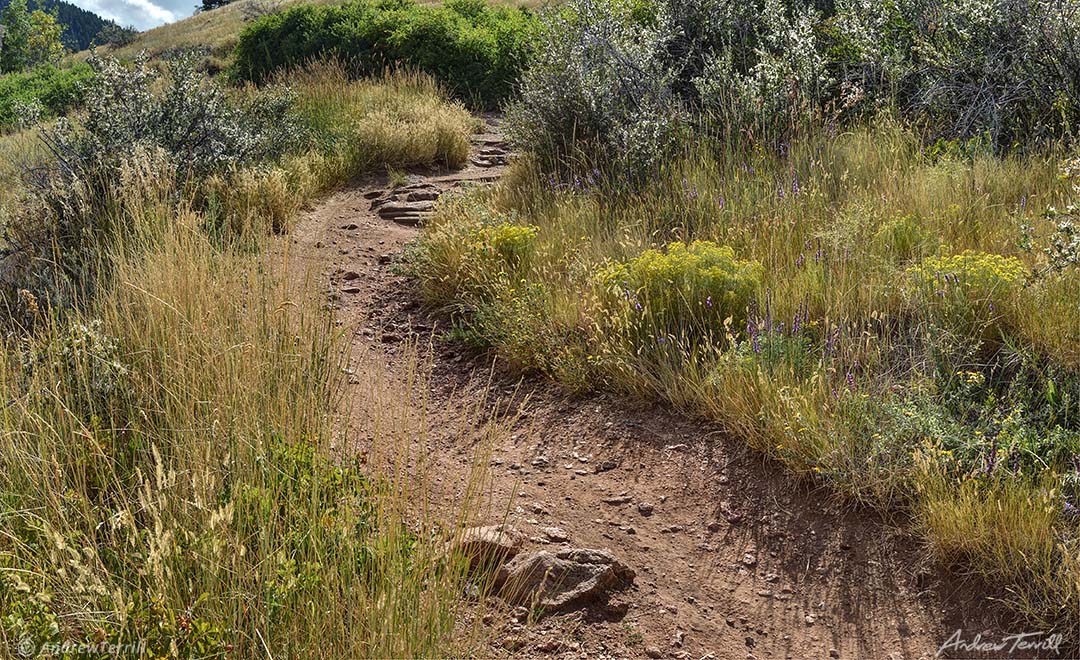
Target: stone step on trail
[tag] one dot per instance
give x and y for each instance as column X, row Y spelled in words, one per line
column 406, row 213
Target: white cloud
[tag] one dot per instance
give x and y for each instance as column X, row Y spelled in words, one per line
column 143, row 14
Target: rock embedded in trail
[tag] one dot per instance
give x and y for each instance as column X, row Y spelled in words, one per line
column 427, row 195
column 394, row 210
column 488, row 546
column 555, row 534
column 561, row 581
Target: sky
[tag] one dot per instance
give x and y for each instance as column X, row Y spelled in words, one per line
column 143, row 14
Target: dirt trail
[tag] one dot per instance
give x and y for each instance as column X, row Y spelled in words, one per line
column 734, row 558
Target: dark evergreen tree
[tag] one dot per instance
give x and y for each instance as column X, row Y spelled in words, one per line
column 208, row 5
column 81, row 26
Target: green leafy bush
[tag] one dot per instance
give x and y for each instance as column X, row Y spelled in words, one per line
column 46, row 91
column 690, row 291
column 477, row 51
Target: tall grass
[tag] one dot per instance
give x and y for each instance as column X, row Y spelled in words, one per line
column 886, row 323
column 174, row 468
column 400, row 119
column 17, row 152
column 166, row 476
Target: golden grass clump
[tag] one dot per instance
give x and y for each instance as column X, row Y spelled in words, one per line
column 400, row 120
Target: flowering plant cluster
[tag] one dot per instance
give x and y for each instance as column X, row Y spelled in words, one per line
column 689, row 291
column 968, row 292
column 1063, row 248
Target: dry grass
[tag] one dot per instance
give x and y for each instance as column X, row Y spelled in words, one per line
column 400, row 120
column 17, row 151
column 174, row 485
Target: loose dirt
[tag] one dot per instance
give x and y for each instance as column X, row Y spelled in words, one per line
column 734, row 557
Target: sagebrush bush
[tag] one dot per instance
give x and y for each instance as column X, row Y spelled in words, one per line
column 598, row 91
column 143, row 143
column 765, row 67
column 612, row 82
column 686, row 292
column 192, row 118
column 477, row 51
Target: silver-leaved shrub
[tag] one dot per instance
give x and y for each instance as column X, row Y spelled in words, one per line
column 146, row 139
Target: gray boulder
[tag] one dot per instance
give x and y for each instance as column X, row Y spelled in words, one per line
column 565, row 580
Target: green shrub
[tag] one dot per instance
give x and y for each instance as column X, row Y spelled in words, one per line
column 967, row 292
column 475, row 50
column 691, row 292
column 47, row 90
